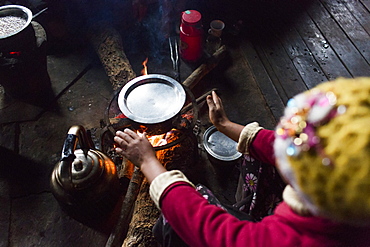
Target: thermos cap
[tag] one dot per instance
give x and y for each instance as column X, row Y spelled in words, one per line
column 191, row 16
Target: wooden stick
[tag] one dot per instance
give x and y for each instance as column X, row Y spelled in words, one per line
column 119, row 233
column 205, row 68
column 198, row 100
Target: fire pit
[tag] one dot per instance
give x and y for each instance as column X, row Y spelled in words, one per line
column 175, row 149
column 166, row 130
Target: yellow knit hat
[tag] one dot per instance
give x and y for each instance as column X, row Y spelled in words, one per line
column 322, row 148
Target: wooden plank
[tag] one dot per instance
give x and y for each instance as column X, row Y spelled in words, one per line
column 283, row 67
column 338, row 40
column 274, row 78
column 265, row 84
column 320, row 48
column 5, row 203
column 366, row 3
column 354, row 30
column 360, row 12
column 299, row 53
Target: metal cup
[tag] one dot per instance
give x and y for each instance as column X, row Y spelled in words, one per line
column 216, row 28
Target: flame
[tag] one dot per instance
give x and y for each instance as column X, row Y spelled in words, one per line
column 155, row 140
column 144, row 71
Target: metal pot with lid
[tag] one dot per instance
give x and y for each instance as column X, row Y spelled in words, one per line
column 220, row 148
column 152, row 102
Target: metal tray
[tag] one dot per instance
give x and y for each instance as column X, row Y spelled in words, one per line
column 151, row 99
column 220, row 146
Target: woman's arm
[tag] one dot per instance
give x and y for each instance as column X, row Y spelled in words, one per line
column 201, row 224
column 262, row 148
column 252, row 139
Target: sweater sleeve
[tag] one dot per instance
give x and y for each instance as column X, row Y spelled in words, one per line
column 199, row 223
column 262, row 148
column 257, row 142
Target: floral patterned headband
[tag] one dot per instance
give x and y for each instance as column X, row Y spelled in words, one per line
column 303, row 114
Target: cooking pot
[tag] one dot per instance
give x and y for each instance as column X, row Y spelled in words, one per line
column 220, row 148
column 22, row 35
column 152, row 103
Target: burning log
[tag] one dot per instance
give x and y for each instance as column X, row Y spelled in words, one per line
column 143, row 219
column 107, row 42
column 205, row 68
column 118, row 235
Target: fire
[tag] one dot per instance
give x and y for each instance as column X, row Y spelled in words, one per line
column 156, row 140
column 144, row 71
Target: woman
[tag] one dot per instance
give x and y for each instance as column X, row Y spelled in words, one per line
column 321, row 148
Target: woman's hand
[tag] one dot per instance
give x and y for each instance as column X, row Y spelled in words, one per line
column 134, row 147
column 140, row 152
column 217, row 113
column 219, row 119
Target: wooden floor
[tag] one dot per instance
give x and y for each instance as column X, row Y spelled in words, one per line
column 294, row 46
column 284, row 48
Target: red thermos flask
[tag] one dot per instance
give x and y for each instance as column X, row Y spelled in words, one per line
column 191, row 35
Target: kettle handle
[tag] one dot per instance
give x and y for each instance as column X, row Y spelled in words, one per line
column 76, row 134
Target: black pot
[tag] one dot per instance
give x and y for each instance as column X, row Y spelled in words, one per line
column 21, row 39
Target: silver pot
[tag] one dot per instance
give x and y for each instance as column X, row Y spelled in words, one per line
column 219, row 147
column 152, row 103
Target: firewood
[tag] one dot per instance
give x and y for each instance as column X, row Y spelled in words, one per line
column 198, row 100
column 118, row 234
column 145, row 212
column 107, row 43
column 205, row 68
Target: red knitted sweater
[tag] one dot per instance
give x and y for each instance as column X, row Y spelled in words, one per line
column 200, row 224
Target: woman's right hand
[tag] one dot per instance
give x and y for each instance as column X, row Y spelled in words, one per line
column 217, row 113
column 140, row 152
column 134, row 147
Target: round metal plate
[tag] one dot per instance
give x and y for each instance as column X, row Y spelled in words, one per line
column 219, row 145
column 151, row 99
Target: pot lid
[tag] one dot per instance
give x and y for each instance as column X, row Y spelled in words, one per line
column 151, row 99
column 219, row 145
